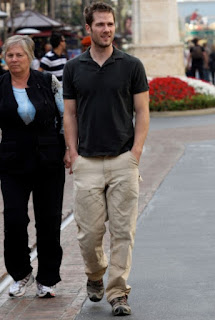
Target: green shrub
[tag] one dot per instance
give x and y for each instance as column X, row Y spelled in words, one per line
column 196, row 102
column 173, row 94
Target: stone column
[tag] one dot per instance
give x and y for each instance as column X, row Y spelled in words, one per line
column 156, row 37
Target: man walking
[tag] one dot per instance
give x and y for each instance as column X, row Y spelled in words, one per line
column 197, row 57
column 55, row 60
column 101, row 89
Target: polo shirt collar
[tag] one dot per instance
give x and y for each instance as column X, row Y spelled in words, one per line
column 117, row 54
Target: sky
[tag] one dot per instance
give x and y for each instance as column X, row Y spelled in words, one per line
column 205, row 8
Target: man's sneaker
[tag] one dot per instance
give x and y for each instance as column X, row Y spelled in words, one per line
column 120, row 306
column 44, row 291
column 95, row 290
column 18, row 288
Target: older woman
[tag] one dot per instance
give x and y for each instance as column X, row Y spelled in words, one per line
column 31, row 160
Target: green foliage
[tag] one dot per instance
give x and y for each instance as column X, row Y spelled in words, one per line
column 76, row 15
column 40, row 6
column 198, row 101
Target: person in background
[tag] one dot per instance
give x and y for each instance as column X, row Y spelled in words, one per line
column 212, row 64
column 1, row 69
column 186, row 57
column 102, row 88
column 54, row 61
column 31, row 160
column 2, row 65
column 85, row 42
column 47, row 47
column 206, row 68
column 35, row 64
column 196, row 57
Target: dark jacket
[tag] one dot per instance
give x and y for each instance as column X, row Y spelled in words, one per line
column 2, row 71
column 212, row 61
column 25, row 148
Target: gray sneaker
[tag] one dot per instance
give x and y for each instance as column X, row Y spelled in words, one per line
column 95, row 290
column 120, row 306
column 18, row 288
column 44, row 291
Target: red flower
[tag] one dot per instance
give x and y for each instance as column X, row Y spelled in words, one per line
column 169, row 88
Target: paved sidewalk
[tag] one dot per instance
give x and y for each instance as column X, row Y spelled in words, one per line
column 174, row 256
column 164, row 147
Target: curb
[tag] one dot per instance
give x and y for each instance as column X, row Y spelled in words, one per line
column 154, row 114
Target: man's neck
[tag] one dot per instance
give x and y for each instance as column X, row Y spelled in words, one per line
column 58, row 51
column 100, row 55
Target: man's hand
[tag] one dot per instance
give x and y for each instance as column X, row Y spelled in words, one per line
column 69, row 160
column 136, row 153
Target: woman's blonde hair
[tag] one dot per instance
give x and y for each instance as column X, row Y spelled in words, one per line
column 25, row 42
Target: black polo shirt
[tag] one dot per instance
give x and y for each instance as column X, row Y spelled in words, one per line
column 104, row 98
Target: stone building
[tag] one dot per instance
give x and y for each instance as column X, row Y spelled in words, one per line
column 156, row 37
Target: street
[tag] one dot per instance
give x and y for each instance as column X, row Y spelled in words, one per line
column 174, row 256
column 173, row 270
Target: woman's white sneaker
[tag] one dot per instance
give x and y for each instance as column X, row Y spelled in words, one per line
column 44, row 291
column 18, row 288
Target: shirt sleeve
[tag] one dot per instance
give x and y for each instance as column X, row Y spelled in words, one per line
column 58, row 94
column 69, row 91
column 44, row 63
column 139, row 80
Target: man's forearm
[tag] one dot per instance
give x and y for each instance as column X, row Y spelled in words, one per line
column 70, row 126
column 141, row 131
column 71, row 137
column 142, row 120
column 71, row 133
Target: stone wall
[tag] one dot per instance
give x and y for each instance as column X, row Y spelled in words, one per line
column 160, row 61
column 156, row 37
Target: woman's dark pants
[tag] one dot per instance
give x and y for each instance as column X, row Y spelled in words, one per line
column 47, row 190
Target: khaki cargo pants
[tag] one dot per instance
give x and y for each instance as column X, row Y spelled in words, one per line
column 107, row 188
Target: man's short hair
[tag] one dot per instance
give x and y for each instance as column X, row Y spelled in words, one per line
column 55, row 39
column 195, row 41
column 96, row 7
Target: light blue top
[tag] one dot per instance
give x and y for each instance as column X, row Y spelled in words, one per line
column 27, row 111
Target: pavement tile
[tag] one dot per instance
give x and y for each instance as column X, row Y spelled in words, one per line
column 163, row 149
